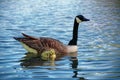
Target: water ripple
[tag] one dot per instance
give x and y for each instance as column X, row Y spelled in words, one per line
column 98, row 39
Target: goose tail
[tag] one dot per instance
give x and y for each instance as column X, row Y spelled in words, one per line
column 18, row 39
column 27, row 36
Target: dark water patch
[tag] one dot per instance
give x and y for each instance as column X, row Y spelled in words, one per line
column 98, row 39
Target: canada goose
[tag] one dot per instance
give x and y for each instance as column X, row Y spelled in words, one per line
column 49, row 47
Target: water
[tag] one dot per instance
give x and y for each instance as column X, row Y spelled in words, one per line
column 98, row 42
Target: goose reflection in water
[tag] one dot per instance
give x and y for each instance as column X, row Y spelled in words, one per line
column 74, row 65
column 33, row 60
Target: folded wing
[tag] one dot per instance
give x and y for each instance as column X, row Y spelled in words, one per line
column 39, row 44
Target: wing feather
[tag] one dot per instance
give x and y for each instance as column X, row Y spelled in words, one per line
column 27, row 36
column 53, row 43
column 43, row 43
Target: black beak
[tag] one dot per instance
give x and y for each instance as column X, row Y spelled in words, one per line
column 85, row 19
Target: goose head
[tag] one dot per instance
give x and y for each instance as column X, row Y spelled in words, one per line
column 48, row 55
column 81, row 18
column 78, row 19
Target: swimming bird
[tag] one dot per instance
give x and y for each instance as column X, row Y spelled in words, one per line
column 49, row 48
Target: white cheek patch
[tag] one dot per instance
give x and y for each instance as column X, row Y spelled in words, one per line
column 78, row 20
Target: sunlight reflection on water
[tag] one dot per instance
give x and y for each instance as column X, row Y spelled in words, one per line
column 98, row 41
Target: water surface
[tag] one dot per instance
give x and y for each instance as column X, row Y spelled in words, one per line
column 98, row 41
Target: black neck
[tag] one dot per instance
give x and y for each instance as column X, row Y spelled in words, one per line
column 75, row 34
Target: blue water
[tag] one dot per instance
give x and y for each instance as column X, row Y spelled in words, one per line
column 98, row 55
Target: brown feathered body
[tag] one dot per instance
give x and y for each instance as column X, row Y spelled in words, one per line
column 43, row 43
